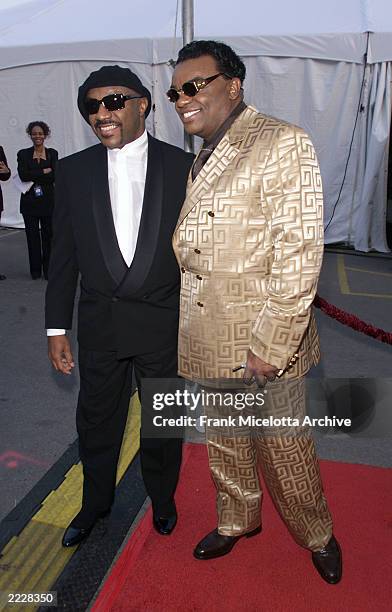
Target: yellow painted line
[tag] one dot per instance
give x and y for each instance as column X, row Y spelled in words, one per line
column 32, row 561
column 61, row 505
column 345, row 288
column 342, row 276
column 369, row 271
column 386, row 296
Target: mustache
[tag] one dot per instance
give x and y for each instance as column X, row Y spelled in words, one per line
column 99, row 123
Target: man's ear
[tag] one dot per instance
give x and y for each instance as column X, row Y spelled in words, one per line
column 143, row 103
column 235, row 88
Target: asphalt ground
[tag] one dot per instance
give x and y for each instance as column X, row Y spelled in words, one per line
column 37, row 418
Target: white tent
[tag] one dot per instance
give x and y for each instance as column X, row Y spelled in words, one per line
column 305, row 63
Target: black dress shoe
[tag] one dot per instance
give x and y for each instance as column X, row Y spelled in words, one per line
column 216, row 545
column 328, row 562
column 3, row 277
column 164, row 525
column 76, row 535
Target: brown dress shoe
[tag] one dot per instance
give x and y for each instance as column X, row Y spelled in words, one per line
column 328, row 562
column 216, row 545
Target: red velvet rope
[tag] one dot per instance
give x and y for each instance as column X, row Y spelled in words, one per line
column 351, row 320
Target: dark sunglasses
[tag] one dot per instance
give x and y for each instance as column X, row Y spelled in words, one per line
column 112, row 102
column 191, row 88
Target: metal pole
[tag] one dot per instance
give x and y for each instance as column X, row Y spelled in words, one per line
column 187, row 21
column 187, row 36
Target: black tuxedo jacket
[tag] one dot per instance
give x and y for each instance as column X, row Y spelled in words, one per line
column 130, row 310
column 30, row 170
column 3, row 177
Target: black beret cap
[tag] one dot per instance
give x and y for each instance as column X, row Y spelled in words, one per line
column 108, row 76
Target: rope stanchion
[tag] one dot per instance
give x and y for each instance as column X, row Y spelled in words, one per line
column 351, row 320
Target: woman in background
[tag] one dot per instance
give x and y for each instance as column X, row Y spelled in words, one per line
column 5, row 174
column 38, row 164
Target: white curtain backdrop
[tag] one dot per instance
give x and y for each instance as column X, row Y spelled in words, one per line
column 369, row 211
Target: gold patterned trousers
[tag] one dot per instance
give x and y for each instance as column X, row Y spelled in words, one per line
column 271, row 437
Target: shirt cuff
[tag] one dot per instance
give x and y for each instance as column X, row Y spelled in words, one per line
column 55, row 332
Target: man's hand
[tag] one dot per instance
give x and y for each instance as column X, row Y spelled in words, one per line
column 59, row 351
column 3, row 168
column 47, row 170
column 258, row 371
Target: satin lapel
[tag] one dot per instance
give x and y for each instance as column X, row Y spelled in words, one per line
column 104, row 217
column 150, row 222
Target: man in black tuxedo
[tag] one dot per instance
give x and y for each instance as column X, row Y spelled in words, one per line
column 116, row 206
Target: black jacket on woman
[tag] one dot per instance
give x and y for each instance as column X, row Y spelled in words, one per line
column 3, row 177
column 30, row 169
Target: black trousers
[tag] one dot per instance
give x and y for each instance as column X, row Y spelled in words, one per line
column 105, row 388
column 39, row 238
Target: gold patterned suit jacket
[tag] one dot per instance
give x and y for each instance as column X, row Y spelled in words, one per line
column 249, row 241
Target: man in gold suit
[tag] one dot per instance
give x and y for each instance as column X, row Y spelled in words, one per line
column 249, row 241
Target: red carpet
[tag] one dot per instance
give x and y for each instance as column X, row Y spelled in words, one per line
column 268, row 572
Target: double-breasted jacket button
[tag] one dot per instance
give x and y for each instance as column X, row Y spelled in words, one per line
column 211, row 214
column 199, row 277
column 182, row 269
column 197, row 251
column 200, row 304
column 115, row 299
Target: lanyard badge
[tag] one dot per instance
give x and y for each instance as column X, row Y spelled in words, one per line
column 38, row 191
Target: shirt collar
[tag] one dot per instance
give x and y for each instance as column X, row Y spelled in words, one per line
column 224, row 127
column 132, row 149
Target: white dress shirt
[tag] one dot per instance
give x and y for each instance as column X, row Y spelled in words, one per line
column 127, row 176
column 127, row 169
